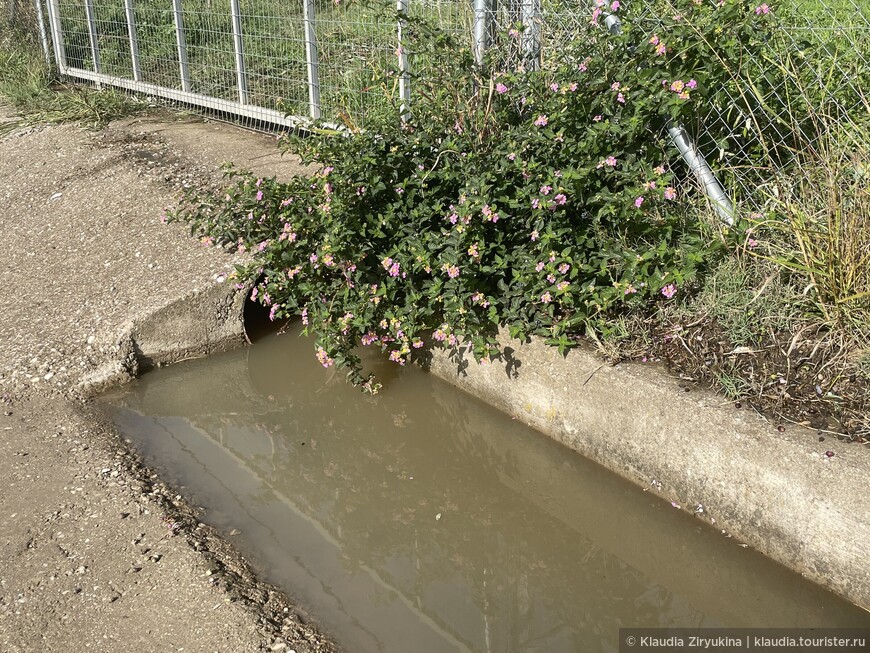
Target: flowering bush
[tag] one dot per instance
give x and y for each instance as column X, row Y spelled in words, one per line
column 542, row 201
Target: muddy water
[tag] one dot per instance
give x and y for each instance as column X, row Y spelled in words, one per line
column 422, row 520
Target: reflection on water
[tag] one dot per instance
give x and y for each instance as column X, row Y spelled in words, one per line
column 422, row 520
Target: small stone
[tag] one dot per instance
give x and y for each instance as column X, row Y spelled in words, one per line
column 278, row 646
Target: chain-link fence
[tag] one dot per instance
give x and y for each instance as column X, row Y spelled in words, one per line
column 272, row 61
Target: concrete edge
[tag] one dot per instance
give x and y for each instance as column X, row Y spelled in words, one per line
column 202, row 322
column 776, row 491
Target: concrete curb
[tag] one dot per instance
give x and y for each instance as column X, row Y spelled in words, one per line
column 203, row 322
column 778, row 492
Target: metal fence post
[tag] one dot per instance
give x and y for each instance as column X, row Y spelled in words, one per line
column 134, row 40
column 57, row 34
column 92, row 34
column 404, row 71
column 241, row 73
column 42, row 35
column 309, row 18
column 481, row 29
column 530, row 15
column 183, row 66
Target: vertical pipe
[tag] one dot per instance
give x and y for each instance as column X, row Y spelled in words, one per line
column 92, row 33
column 43, row 37
column 404, row 74
column 531, row 38
column 57, row 35
column 309, row 17
column 241, row 73
column 183, row 66
column 481, row 29
column 134, row 40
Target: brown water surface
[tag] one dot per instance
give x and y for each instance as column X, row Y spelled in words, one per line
column 424, row 521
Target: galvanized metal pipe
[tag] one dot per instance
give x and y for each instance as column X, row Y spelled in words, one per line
column 481, row 29
column 92, row 34
column 56, row 33
column 241, row 73
column 134, row 40
column 531, row 37
column 404, row 73
column 43, row 37
column 309, row 20
column 184, row 67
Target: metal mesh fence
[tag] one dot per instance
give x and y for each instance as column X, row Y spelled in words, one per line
column 341, row 60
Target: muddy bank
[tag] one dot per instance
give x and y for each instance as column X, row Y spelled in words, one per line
column 97, row 553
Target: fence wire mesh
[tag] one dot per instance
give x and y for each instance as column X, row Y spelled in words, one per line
column 265, row 59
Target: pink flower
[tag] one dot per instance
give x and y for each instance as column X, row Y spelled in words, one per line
column 762, row 9
column 535, row 235
column 669, row 291
column 554, row 87
column 752, row 243
column 305, row 317
column 670, row 193
column 259, row 195
column 547, row 297
column 654, row 39
column 542, row 121
column 691, row 83
column 323, row 357
column 659, row 170
column 512, row 156
column 536, row 203
column 620, row 98
column 545, row 190
column 396, row 357
column 562, row 285
column 563, row 268
column 597, row 118
column 394, row 270
column 501, row 88
column 661, row 49
column 609, row 161
column 638, row 202
column 539, row 266
column 451, row 270
column 614, row 6
column 560, row 199
column 677, row 85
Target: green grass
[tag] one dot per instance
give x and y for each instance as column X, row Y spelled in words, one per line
column 27, row 84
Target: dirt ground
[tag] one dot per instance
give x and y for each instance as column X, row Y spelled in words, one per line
column 96, row 554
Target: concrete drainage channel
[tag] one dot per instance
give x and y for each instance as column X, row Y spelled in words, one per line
column 776, row 491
